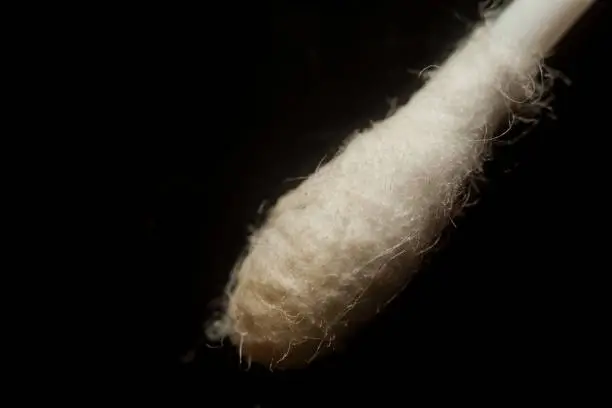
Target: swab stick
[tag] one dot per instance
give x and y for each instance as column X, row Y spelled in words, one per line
column 340, row 245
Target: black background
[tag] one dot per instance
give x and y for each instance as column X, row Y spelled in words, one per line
column 225, row 104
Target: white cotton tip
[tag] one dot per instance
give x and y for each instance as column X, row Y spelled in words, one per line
column 339, row 246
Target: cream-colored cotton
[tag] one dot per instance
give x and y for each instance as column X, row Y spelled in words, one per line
column 339, row 246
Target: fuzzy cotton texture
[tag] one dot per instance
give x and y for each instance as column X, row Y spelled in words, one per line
column 339, row 246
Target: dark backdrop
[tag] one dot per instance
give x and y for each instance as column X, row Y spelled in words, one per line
column 228, row 102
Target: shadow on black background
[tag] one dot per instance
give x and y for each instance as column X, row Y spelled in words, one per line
column 232, row 102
